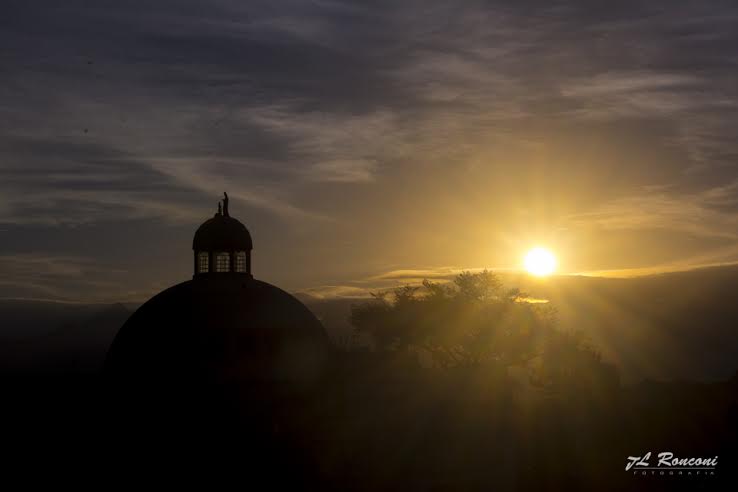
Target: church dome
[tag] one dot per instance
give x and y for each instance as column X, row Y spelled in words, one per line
column 223, row 233
column 222, row 244
column 223, row 325
column 220, row 329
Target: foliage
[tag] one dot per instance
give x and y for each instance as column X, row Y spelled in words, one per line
column 473, row 322
column 569, row 361
column 469, row 322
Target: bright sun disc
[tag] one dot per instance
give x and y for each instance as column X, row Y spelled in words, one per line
column 540, row 262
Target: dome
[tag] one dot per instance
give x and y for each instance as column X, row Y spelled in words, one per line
column 222, row 232
column 222, row 245
column 220, row 328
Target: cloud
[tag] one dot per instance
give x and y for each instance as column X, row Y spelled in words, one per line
column 66, row 278
column 709, row 213
column 427, row 273
column 320, row 112
column 344, row 171
column 325, row 292
column 70, row 181
column 608, row 84
column 332, row 147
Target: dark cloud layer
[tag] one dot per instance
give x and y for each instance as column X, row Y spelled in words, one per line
column 363, row 137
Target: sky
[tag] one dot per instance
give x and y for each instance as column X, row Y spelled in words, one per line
column 362, row 143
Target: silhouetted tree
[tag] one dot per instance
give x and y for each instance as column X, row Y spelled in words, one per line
column 467, row 323
column 568, row 361
column 474, row 322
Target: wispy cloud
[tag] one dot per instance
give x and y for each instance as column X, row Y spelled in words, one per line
column 66, row 278
column 709, row 213
column 332, row 147
column 609, row 84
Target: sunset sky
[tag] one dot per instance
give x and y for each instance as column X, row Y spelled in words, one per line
column 362, row 142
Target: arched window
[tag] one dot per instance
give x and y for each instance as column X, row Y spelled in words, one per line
column 240, row 261
column 222, row 262
column 203, row 265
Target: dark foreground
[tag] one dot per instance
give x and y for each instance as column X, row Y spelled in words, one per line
column 368, row 425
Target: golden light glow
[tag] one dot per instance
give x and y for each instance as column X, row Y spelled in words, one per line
column 540, row 262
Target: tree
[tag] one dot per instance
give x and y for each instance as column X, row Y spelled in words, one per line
column 568, row 361
column 474, row 322
column 467, row 323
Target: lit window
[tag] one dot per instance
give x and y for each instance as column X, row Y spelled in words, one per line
column 222, row 262
column 241, row 261
column 202, row 262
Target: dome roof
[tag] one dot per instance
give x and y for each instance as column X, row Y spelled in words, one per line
column 222, row 232
column 225, row 328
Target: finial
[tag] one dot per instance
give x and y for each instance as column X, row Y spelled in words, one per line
column 225, row 204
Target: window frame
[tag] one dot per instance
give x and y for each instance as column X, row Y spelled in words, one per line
column 203, row 260
column 240, row 262
column 222, row 260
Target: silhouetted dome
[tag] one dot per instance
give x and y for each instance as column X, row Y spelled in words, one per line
column 220, row 328
column 222, row 233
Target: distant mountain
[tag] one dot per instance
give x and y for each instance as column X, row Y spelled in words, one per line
column 40, row 336
column 21, row 318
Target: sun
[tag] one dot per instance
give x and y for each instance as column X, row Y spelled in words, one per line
column 540, row 262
